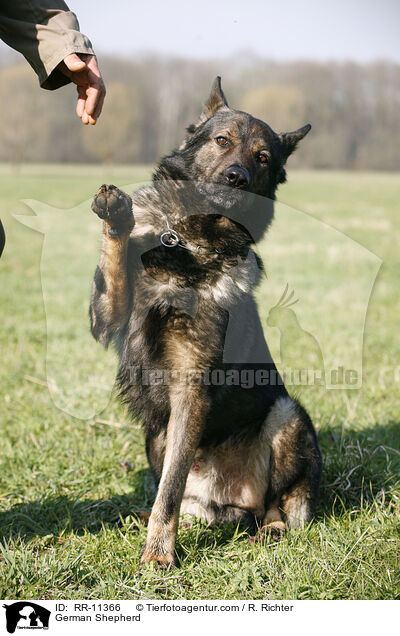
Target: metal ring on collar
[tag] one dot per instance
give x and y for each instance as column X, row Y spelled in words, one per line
column 170, row 238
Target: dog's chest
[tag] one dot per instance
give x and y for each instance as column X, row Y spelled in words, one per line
column 172, row 277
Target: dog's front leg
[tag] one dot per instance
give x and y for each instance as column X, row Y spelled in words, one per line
column 185, row 427
column 109, row 307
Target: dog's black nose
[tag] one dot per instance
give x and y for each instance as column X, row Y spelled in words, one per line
column 237, row 176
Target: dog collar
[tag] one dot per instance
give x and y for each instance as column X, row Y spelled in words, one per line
column 171, row 238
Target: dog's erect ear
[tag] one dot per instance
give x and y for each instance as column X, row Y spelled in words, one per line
column 291, row 139
column 215, row 101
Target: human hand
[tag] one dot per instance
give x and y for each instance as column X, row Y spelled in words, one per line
column 82, row 69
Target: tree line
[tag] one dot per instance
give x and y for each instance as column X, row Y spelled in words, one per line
column 354, row 109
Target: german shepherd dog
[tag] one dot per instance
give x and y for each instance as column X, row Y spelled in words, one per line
column 174, row 292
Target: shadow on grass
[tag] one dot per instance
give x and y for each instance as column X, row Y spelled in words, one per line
column 359, row 466
column 63, row 513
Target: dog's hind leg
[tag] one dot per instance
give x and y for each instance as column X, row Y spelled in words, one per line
column 110, row 292
column 295, row 467
column 185, row 427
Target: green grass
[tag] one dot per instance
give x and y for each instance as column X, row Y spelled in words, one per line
column 66, row 492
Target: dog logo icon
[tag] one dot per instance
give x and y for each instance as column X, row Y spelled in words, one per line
column 26, row 615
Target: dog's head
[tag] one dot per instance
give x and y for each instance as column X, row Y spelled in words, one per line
column 230, row 154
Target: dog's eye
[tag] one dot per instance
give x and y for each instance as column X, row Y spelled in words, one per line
column 262, row 157
column 222, row 141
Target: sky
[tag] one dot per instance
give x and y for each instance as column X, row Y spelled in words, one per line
column 360, row 30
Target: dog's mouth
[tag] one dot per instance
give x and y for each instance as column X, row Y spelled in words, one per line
column 224, row 194
column 251, row 210
column 221, row 195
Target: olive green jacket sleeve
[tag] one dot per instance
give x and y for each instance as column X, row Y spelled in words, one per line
column 45, row 32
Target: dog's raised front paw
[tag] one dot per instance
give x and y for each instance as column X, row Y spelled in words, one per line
column 115, row 208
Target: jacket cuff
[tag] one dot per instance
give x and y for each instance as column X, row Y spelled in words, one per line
column 58, row 35
column 50, row 76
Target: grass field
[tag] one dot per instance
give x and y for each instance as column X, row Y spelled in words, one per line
column 69, row 486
